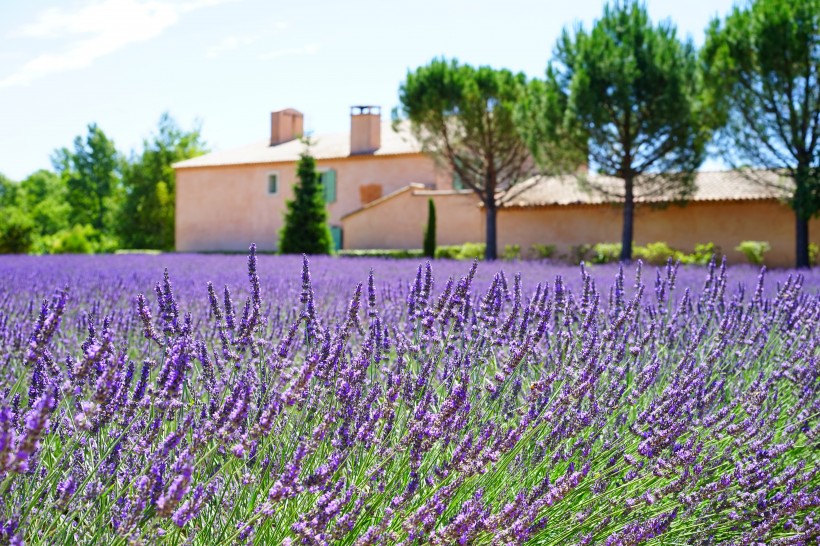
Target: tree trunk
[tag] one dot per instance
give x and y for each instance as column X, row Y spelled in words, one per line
column 801, row 204
column 629, row 217
column 491, row 252
column 801, row 253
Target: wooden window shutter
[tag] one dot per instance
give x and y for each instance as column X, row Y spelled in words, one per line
column 336, row 234
column 329, row 185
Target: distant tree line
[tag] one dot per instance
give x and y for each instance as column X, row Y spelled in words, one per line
column 630, row 99
column 97, row 199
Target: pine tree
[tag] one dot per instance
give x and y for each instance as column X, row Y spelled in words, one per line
column 464, row 117
column 763, row 80
column 430, row 230
column 624, row 96
column 306, row 230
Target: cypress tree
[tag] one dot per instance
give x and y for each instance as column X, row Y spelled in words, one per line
column 430, row 230
column 305, row 230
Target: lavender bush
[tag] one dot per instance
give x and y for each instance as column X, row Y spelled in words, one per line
column 358, row 402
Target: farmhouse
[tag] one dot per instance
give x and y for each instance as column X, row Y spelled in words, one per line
column 227, row 199
column 377, row 182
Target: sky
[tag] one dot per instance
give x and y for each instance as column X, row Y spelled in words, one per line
column 226, row 64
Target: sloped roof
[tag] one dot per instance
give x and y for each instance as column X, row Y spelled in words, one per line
column 417, row 189
column 327, row 146
column 711, row 186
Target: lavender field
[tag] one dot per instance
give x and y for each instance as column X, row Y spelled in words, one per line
column 226, row 400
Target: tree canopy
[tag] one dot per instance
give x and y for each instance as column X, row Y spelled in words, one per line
column 147, row 212
column 92, row 173
column 762, row 64
column 464, row 117
column 624, row 96
column 305, row 229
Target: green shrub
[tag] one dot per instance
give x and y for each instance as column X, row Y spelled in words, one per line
column 702, row 255
column 657, row 253
column 78, row 239
column 754, row 250
column 448, row 252
column 543, row 252
column 467, row 251
column 145, row 251
column 604, row 253
column 382, row 253
column 814, row 253
column 472, row 251
column 580, row 253
column 512, row 252
column 16, row 232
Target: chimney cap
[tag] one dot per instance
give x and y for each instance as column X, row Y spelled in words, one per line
column 363, row 110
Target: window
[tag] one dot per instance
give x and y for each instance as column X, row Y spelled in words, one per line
column 327, row 179
column 273, row 183
column 458, row 183
column 336, row 235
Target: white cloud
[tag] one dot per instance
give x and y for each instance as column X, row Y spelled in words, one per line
column 229, row 43
column 308, row 49
column 95, row 30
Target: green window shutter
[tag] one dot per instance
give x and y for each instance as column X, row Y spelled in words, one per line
column 458, row 183
column 329, row 185
column 336, row 234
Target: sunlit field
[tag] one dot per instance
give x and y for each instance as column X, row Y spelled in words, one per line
column 208, row 399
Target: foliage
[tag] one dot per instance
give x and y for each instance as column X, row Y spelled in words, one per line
column 16, row 228
column 512, row 252
column 580, row 253
column 657, row 253
column 703, row 254
column 604, row 253
column 92, row 175
column 754, row 250
column 542, row 251
column 305, row 229
column 79, row 239
column 624, row 95
column 430, row 230
column 466, row 251
column 146, row 218
column 410, row 405
column 9, row 193
column 464, row 117
column 814, row 253
column 44, row 199
column 382, row 253
column 762, row 66
column 17, row 231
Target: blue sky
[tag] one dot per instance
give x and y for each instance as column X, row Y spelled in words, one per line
column 229, row 63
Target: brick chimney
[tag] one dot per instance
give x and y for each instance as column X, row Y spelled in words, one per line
column 365, row 129
column 285, row 125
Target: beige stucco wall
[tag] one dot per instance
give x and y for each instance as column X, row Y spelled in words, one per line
column 398, row 221
column 227, row 208
column 722, row 223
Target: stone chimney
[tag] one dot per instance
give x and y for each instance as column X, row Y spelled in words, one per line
column 285, row 125
column 365, row 129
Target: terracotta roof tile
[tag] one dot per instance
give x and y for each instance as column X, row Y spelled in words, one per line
column 711, row 186
column 328, row 146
